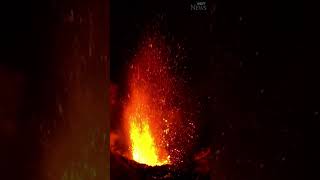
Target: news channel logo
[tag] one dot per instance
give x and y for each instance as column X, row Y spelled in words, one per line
column 198, row 6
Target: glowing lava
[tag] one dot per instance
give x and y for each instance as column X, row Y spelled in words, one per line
column 144, row 149
column 158, row 130
column 144, row 112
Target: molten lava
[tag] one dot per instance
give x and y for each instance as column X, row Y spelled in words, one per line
column 144, row 112
column 141, row 112
column 144, row 149
column 153, row 113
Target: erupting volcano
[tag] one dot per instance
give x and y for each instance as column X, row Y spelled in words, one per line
column 156, row 124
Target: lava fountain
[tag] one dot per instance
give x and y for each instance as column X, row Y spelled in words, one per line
column 153, row 111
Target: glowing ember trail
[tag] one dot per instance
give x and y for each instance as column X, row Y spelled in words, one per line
column 152, row 112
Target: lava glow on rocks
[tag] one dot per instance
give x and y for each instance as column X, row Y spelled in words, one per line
column 153, row 108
